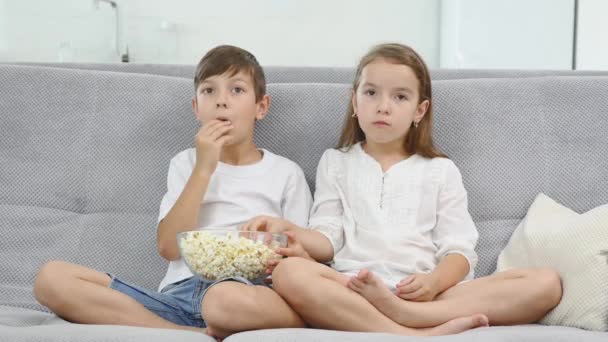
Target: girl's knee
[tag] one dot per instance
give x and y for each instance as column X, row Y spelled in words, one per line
column 550, row 285
column 288, row 274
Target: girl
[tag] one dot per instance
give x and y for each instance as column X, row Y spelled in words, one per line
column 390, row 213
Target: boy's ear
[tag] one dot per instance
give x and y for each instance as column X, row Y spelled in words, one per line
column 421, row 110
column 262, row 107
column 195, row 108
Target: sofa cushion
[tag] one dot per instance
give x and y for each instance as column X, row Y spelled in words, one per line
column 515, row 138
column 528, row 333
column 574, row 245
column 83, row 161
column 84, row 156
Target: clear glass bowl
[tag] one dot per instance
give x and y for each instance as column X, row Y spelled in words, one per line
column 214, row 254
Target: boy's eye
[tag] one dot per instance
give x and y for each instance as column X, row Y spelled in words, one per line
column 207, row 90
column 370, row 92
column 238, row 90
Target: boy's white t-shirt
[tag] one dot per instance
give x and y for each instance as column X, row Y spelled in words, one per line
column 273, row 186
column 394, row 223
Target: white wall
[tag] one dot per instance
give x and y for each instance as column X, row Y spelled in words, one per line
column 592, row 45
column 278, row 32
column 506, row 34
column 35, row 30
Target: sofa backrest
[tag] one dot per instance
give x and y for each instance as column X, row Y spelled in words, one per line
column 300, row 74
column 84, row 156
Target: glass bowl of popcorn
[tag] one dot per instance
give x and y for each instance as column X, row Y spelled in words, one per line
column 215, row 254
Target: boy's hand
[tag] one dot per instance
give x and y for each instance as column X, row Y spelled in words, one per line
column 294, row 249
column 418, row 287
column 267, row 224
column 209, row 141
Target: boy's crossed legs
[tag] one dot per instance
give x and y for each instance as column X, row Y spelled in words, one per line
column 507, row 298
column 83, row 295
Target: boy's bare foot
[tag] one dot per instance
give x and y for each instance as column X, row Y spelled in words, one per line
column 377, row 293
column 459, row 325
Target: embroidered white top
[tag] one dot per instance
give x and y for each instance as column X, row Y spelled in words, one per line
column 393, row 223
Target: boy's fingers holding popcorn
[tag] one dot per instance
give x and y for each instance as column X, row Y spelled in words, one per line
column 254, row 224
column 259, row 223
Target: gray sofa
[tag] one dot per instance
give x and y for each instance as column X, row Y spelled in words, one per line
column 84, row 155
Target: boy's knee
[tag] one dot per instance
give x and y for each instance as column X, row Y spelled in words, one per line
column 224, row 301
column 47, row 281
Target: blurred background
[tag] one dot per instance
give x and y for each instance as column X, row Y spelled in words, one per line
column 505, row 34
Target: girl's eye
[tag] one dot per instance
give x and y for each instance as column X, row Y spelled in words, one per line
column 370, row 92
column 207, row 91
column 401, row 97
column 238, row 90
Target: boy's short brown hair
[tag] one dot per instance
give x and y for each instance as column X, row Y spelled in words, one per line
column 231, row 59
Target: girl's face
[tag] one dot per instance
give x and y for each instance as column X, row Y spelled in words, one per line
column 386, row 101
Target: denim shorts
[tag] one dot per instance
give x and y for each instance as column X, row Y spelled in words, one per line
column 179, row 302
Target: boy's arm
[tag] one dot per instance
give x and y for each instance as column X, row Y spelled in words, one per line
column 183, row 216
column 184, row 213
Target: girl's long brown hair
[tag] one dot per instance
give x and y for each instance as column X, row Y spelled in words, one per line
column 418, row 140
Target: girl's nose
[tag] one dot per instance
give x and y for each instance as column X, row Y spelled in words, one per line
column 383, row 106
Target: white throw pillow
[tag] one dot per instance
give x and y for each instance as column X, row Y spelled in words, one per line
column 576, row 246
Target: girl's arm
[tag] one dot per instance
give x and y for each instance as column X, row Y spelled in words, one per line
column 317, row 245
column 454, row 235
column 450, row 271
column 326, row 234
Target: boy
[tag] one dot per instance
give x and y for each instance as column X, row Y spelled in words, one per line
column 222, row 183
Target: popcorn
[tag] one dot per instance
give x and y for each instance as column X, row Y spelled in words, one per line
column 216, row 257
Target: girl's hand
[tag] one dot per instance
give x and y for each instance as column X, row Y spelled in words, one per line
column 294, row 249
column 418, row 287
column 267, row 224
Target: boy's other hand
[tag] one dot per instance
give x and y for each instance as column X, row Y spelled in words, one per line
column 267, row 224
column 209, row 141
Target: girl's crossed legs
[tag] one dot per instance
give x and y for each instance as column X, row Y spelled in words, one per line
column 512, row 297
column 321, row 297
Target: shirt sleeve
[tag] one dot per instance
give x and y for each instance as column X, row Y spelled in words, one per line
column 327, row 210
column 177, row 177
column 455, row 231
column 297, row 200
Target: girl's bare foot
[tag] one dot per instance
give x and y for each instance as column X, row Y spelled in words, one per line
column 459, row 325
column 378, row 294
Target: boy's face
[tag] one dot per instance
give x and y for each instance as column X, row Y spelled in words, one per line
column 230, row 98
